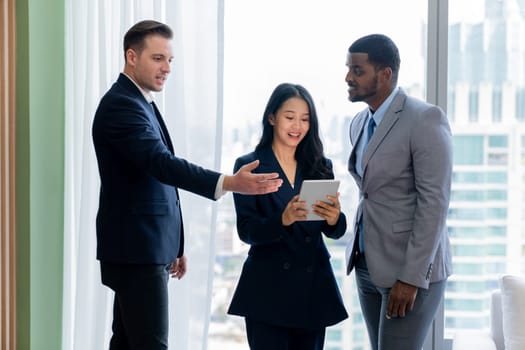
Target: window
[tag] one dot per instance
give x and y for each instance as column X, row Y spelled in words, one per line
column 496, row 105
column 520, row 105
column 478, row 195
column 477, row 232
column 473, row 104
column 468, row 150
column 487, row 248
column 477, row 177
column 498, row 141
column 487, row 205
column 305, row 42
column 267, row 43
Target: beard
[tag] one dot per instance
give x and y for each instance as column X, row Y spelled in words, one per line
column 363, row 97
column 369, row 91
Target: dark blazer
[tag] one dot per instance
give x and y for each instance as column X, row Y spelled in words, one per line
column 139, row 217
column 286, row 279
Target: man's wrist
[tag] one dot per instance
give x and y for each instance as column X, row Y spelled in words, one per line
column 227, row 185
column 220, row 189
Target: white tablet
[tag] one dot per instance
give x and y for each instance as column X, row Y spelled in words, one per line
column 314, row 190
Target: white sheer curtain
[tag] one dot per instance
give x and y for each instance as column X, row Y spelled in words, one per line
column 94, row 58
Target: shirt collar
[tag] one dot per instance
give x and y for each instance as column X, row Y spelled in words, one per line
column 147, row 95
column 380, row 112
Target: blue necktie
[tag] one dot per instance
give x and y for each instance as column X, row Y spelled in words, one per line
column 369, row 132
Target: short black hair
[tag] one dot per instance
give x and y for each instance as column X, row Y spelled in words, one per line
column 135, row 36
column 381, row 50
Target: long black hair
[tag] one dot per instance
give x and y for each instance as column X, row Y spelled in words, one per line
column 309, row 154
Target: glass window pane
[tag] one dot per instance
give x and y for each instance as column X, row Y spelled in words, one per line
column 478, row 195
column 520, row 104
column 468, row 150
column 267, row 42
column 487, row 215
column 498, row 141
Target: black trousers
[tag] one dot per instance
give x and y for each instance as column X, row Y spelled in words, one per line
column 140, row 309
column 263, row 336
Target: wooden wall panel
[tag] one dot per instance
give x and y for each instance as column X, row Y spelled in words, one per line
column 7, row 176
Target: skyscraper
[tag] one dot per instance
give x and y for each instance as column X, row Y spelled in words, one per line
column 486, row 106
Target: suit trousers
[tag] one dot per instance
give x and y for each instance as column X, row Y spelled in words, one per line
column 407, row 333
column 140, row 308
column 264, row 336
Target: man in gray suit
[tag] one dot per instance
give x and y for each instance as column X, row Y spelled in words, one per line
column 401, row 161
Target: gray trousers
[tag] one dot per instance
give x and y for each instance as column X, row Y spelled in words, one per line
column 401, row 333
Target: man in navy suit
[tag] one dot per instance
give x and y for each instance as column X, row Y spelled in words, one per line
column 140, row 236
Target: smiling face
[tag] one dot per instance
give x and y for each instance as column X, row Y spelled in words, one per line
column 150, row 67
column 291, row 123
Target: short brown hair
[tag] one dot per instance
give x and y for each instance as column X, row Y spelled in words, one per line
column 135, row 36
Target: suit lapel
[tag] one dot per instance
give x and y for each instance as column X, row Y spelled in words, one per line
column 390, row 118
column 164, row 131
column 270, row 164
column 355, row 138
column 155, row 117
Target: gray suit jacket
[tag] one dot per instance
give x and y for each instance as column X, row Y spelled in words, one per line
column 404, row 194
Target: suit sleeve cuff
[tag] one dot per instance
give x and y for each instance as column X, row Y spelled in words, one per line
column 219, row 192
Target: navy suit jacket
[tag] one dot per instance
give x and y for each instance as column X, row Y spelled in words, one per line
column 139, row 217
column 287, row 279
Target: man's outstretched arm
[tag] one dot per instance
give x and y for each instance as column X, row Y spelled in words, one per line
column 246, row 182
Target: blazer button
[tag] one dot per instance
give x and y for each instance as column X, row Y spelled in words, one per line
column 365, row 195
column 309, row 268
column 286, row 266
column 308, row 239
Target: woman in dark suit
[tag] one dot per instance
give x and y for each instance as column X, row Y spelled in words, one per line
column 287, row 291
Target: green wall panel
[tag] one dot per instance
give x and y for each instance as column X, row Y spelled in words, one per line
column 40, row 172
